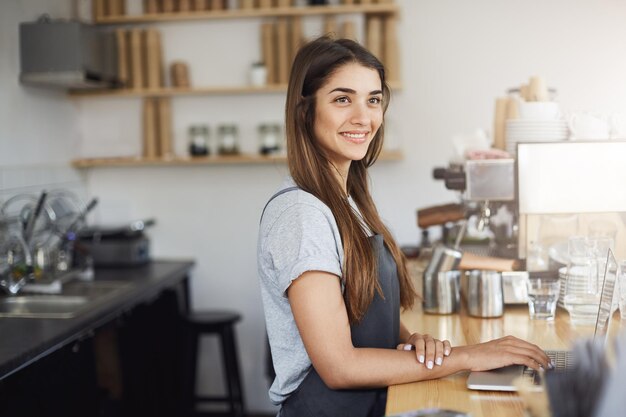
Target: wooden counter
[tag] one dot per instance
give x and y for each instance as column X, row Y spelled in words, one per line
column 460, row 329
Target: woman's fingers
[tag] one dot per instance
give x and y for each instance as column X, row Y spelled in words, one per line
column 431, row 350
column 505, row 351
column 420, row 348
column 438, row 352
column 523, row 348
column 428, row 350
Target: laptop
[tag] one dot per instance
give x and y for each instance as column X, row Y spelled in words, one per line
column 502, row 379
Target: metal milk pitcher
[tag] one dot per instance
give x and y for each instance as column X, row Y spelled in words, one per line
column 441, row 281
column 485, row 297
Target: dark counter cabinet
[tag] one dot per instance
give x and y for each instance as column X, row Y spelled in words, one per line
column 124, row 360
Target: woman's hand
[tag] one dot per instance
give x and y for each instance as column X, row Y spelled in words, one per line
column 428, row 350
column 502, row 352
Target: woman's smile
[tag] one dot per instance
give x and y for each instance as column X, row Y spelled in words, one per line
column 355, row 137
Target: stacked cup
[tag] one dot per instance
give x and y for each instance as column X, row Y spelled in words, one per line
column 585, row 271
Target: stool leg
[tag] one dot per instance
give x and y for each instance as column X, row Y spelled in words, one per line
column 189, row 377
column 229, row 350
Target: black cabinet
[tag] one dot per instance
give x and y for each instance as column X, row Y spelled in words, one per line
column 127, row 367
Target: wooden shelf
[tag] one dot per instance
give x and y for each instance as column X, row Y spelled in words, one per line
column 195, row 91
column 170, row 91
column 208, row 160
column 387, row 8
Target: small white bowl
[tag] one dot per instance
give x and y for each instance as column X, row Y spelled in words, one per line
column 539, row 110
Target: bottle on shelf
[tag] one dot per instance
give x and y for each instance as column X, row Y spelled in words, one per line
column 228, row 140
column 269, row 139
column 199, row 140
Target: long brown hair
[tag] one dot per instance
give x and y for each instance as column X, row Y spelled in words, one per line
column 311, row 170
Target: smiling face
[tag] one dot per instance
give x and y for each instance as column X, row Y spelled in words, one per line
column 348, row 113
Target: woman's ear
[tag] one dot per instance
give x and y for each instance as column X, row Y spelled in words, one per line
column 303, row 106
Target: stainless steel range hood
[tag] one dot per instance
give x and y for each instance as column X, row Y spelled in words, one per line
column 67, row 54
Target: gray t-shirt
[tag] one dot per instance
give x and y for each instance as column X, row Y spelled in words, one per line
column 298, row 233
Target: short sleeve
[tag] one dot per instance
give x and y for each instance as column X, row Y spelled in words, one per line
column 300, row 240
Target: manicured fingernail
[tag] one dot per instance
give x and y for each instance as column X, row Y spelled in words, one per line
column 447, row 352
column 421, row 358
column 430, row 365
column 551, row 365
column 439, row 361
column 407, row 347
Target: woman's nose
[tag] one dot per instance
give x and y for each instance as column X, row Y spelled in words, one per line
column 361, row 114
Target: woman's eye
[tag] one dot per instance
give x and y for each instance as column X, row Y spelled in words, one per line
column 342, row 99
column 375, row 100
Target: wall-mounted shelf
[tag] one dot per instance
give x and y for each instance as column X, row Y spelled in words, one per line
column 208, row 160
column 385, row 8
column 141, row 64
column 195, row 91
column 172, row 91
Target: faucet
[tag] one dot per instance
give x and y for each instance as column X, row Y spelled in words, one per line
column 18, row 272
column 12, row 286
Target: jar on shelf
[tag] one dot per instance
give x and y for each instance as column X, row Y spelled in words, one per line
column 199, row 140
column 269, row 139
column 228, row 140
column 258, row 74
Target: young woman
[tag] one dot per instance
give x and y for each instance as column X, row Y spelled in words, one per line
column 332, row 277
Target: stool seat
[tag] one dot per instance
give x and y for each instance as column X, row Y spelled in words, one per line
column 221, row 324
column 203, row 318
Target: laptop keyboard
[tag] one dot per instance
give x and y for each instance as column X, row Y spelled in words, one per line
column 562, row 360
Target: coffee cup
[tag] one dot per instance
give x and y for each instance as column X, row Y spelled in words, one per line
column 539, row 110
column 589, row 126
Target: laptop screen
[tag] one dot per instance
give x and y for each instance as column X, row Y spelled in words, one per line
column 606, row 297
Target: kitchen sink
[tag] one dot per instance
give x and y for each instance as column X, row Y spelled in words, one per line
column 76, row 298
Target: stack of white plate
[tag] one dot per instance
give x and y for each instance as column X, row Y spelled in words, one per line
column 528, row 130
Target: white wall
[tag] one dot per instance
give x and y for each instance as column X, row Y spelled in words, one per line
column 456, row 58
column 36, row 126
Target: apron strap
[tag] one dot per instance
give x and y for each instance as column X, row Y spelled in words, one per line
column 283, row 191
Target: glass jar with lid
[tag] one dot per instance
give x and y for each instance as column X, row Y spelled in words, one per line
column 228, row 140
column 199, row 140
column 269, row 139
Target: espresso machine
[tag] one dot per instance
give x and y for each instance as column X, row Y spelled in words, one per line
column 488, row 208
column 488, row 203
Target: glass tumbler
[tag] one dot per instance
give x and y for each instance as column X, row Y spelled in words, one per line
column 543, row 295
column 582, row 292
column 622, row 290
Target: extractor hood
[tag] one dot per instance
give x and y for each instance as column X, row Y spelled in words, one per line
column 67, row 54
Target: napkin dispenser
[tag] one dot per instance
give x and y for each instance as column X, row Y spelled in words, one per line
column 120, row 246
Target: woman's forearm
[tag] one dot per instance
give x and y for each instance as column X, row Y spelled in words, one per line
column 369, row 367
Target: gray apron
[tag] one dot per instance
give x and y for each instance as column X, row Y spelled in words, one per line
column 379, row 328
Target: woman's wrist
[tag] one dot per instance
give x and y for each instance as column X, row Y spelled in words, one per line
column 461, row 358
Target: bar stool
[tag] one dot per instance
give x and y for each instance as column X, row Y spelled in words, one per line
column 220, row 323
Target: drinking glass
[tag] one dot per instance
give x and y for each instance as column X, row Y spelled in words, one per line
column 542, row 297
column 582, row 299
column 622, row 290
column 582, row 292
